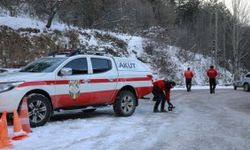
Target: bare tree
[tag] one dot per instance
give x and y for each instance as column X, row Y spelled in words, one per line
column 53, row 7
column 49, row 8
column 240, row 19
column 12, row 6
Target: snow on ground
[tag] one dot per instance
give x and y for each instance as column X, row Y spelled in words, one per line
column 26, row 22
column 200, row 121
column 197, row 87
column 135, row 43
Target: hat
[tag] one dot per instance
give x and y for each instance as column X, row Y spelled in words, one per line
column 172, row 83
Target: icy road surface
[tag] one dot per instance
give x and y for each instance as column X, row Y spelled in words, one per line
column 201, row 121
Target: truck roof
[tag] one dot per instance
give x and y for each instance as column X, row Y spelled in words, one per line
column 123, row 63
column 69, row 53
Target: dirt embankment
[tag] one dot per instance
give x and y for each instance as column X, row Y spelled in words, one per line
column 18, row 47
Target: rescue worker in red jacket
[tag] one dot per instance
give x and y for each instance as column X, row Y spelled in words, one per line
column 212, row 73
column 161, row 92
column 188, row 76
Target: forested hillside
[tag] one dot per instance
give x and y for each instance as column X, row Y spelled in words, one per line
column 197, row 26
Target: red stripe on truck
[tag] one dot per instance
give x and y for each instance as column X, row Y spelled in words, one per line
column 62, row 82
column 101, row 80
column 39, row 83
column 134, row 79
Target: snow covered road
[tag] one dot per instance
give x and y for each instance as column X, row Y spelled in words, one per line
column 201, row 121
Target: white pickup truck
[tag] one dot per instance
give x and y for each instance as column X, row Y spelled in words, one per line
column 244, row 82
column 72, row 82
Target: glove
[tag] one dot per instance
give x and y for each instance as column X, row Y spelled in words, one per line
column 170, row 108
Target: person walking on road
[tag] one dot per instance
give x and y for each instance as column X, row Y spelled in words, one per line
column 212, row 73
column 161, row 92
column 188, row 74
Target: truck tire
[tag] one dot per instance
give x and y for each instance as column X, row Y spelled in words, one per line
column 39, row 109
column 125, row 103
column 246, row 87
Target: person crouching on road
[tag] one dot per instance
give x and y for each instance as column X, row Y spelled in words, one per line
column 161, row 92
column 188, row 76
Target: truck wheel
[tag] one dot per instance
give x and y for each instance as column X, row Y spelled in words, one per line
column 125, row 103
column 235, row 87
column 246, row 87
column 39, row 109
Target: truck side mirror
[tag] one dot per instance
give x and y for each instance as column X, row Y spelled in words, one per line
column 66, row 71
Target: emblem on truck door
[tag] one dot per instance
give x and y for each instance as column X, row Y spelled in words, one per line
column 74, row 89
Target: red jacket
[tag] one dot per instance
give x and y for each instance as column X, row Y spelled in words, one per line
column 212, row 73
column 188, row 74
column 161, row 84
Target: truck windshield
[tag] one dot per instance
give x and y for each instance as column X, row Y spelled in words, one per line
column 43, row 65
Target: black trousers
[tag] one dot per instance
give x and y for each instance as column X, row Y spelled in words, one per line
column 160, row 98
column 212, row 85
column 188, row 84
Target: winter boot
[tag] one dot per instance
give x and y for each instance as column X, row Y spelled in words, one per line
column 156, row 110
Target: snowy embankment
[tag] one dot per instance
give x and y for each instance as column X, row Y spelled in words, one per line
column 199, row 64
column 132, row 46
column 26, row 22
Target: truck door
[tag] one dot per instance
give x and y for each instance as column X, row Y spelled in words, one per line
column 73, row 90
column 103, row 79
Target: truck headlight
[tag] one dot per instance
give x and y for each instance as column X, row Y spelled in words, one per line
column 6, row 86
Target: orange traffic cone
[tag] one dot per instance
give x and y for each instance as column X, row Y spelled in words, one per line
column 19, row 134
column 24, row 116
column 4, row 136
